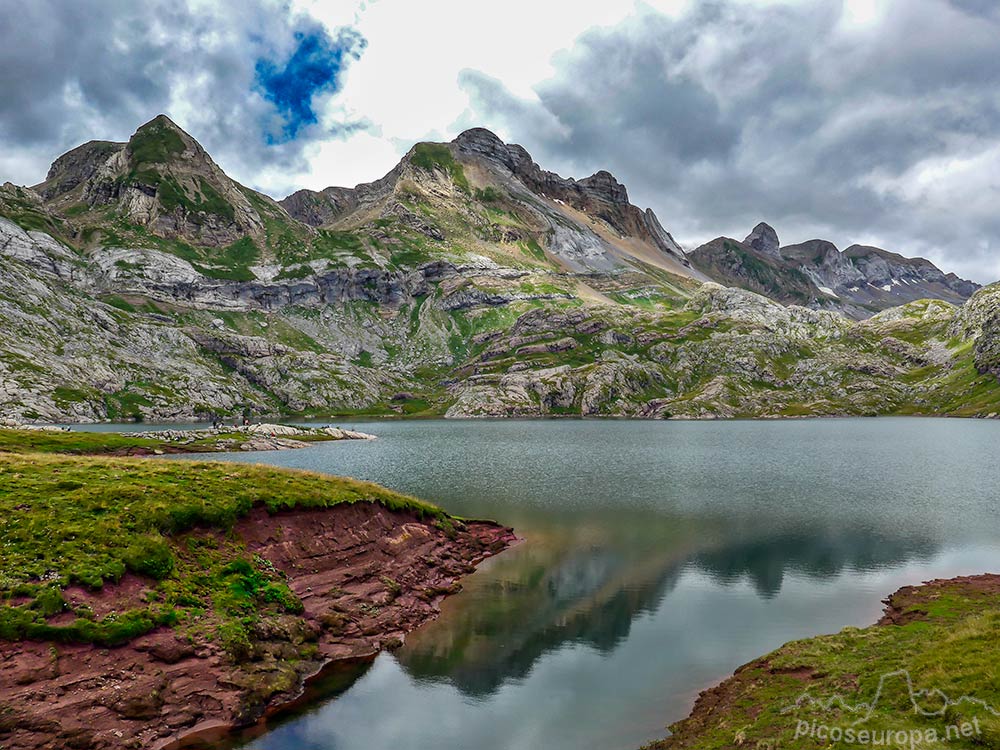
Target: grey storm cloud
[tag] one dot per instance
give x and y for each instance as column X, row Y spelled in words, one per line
column 74, row 71
column 736, row 113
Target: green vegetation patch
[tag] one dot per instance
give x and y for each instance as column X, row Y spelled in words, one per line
column 74, row 443
column 87, row 522
column 204, row 199
column 489, row 194
column 18, row 206
column 432, row 156
column 157, row 143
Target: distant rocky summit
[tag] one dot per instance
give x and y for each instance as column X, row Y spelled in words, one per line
column 858, row 282
column 764, row 239
column 141, row 282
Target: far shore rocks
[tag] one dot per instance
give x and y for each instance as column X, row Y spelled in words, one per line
column 254, row 437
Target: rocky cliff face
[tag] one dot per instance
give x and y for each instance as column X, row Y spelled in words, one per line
column 319, row 208
column 599, row 195
column 76, row 167
column 763, row 239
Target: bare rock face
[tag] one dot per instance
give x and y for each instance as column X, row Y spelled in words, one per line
column 75, row 167
column 873, row 278
column 822, row 262
column 987, row 351
column 599, row 195
column 603, row 187
column 319, row 208
column 40, row 251
column 486, row 144
column 764, row 239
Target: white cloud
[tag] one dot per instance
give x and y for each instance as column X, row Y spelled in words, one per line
column 407, row 81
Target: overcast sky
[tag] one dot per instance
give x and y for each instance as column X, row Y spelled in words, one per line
column 858, row 121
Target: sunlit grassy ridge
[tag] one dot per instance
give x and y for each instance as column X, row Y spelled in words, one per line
column 89, row 521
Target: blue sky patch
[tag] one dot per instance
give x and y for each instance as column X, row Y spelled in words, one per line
column 315, row 66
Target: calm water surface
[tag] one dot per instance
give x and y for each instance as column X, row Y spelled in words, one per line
column 658, row 556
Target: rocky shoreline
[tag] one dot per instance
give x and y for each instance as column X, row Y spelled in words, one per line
column 255, row 437
column 366, row 577
column 246, row 438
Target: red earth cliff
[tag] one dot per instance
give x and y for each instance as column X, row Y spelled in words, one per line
column 366, row 577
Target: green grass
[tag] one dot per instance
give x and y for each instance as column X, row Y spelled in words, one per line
column 948, row 643
column 489, row 194
column 120, row 303
column 89, row 521
column 77, row 443
column 204, row 199
column 156, row 143
column 18, row 207
column 432, row 156
column 126, row 404
column 531, row 248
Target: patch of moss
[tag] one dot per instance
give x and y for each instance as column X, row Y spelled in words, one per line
column 437, row 156
column 156, row 143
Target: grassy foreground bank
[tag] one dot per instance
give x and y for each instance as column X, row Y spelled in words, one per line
column 928, row 675
column 87, row 522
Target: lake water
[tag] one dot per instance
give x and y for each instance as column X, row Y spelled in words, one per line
column 658, row 557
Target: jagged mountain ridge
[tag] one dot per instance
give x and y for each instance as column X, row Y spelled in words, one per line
column 858, row 281
column 584, row 225
column 466, row 282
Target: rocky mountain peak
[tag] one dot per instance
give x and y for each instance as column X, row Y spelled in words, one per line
column 481, row 139
column 602, row 185
column 75, row 167
column 857, row 281
column 162, row 141
column 161, row 179
column 488, row 145
column 764, row 239
column 813, row 251
column 601, row 195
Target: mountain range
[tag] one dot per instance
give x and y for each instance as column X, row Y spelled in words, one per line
column 140, row 281
column 858, row 281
